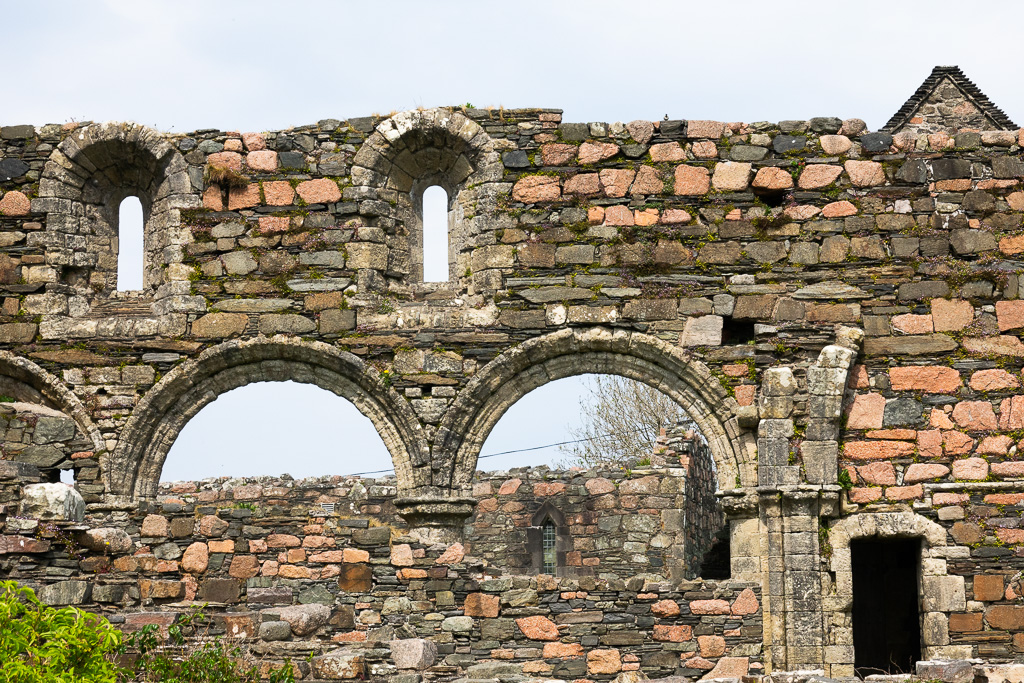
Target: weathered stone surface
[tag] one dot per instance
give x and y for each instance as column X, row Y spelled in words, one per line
column 275, row 630
column 64, row 593
column 773, row 178
column 866, row 412
column 929, row 379
column 538, row 628
column 705, row 330
column 728, row 667
column 413, row 653
column 604, row 662
column 14, row 203
column 219, row 325
column 107, row 539
column 919, row 472
column 52, row 502
column 692, row 180
column 910, row 345
column 196, row 558
column 538, row 188
column 729, row 176
column 815, row 176
column 337, row 665
column 865, row 173
column 481, row 605
column 974, row 415
column 303, row 619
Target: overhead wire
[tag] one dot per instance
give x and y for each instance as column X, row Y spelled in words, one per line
column 518, row 450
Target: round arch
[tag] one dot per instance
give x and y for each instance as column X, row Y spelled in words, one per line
column 81, row 188
column 41, row 384
column 414, row 150
column 506, row 379
column 135, row 467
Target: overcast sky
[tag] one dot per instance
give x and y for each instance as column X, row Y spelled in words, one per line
column 252, row 66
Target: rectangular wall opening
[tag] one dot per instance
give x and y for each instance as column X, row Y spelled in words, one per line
column 886, row 619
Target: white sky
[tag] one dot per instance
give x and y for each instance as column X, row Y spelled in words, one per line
column 249, row 65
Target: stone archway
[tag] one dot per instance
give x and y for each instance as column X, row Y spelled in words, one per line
column 33, row 384
column 940, row 593
column 82, row 185
column 414, row 150
column 134, row 468
column 468, row 421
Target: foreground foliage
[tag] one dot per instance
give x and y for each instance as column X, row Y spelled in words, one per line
column 42, row 644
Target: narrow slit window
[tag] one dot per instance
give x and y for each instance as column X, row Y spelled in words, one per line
column 435, row 234
column 548, row 547
column 129, row 245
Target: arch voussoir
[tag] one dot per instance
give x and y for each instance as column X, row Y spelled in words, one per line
column 133, row 471
column 567, row 352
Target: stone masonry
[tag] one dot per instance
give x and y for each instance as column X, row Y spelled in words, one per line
column 838, row 310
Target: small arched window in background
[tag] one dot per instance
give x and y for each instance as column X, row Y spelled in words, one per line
column 435, row 234
column 129, row 245
column 548, row 541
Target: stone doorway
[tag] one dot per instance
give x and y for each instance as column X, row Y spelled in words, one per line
column 886, row 618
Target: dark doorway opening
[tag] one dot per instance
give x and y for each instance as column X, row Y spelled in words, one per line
column 717, row 562
column 886, row 623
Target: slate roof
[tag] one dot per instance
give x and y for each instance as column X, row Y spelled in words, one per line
column 970, row 90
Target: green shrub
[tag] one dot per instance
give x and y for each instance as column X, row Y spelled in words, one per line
column 49, row 645
column 41, row 644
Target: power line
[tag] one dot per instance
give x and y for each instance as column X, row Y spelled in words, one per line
column 518, row 450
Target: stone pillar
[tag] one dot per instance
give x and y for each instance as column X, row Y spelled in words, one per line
column 435, row 518
column 794, row 611
column 775, row 466
column 774, row 594
column 805, row 638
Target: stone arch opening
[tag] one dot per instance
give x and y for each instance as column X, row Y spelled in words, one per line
column 548, row 540
column 434, row 216
column 515, row 373
column 134, row 469
column 130, row 249
column 413, row 151
column 271, row 429
column 81, row 189
column 938, row 593
column 54, row 425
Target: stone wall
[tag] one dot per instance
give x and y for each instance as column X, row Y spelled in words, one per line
column 821, row 299
column 286, row 578
column 618, row 524
column 703, row 521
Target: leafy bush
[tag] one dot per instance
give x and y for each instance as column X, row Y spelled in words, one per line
column 49, row 645
column 42, row 644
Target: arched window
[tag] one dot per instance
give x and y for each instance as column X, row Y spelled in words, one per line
column 548, row 543
column 435, row 235
column 130, row 254
column 547, row 538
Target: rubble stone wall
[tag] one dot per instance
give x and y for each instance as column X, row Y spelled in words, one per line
column 286, row 578
column 837, row 309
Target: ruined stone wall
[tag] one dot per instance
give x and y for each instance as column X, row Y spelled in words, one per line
column 747, row 270
column 617, row 524
column 285, row 578
column 703, row 521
